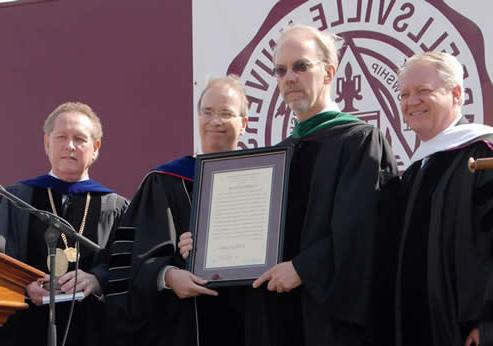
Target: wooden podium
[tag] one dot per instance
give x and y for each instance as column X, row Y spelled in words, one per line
column 14, row 276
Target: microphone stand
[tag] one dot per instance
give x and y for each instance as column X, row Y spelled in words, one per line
column 56, row 226
column 51, row 238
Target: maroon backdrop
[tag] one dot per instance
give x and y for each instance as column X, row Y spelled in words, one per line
column 131, row 60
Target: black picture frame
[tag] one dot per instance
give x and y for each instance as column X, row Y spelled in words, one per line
column 208, row 166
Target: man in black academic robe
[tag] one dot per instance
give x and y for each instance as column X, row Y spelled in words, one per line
column 72, row 140
column 151, row 299
column 486, row 324
column 445, row 251
column 324, row 292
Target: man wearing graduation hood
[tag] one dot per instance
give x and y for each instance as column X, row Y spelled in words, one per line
column 445, row 253
column 72, row 140
column 151, row 298
column 325, row 286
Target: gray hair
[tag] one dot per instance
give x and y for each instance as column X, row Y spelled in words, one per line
column 233, row 81
column 327, row 42
column 78, row 107
column 450, row 70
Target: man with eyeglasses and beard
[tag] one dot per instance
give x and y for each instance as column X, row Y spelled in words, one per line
column 323, row 293
column 445, row 252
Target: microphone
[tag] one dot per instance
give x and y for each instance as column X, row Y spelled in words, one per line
column 51, row 219
column 56, row 226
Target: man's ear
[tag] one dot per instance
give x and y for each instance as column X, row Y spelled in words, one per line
column 244, row 123
column 97, row 146
column 330, row 72
column 457, row 94
column 46, row 141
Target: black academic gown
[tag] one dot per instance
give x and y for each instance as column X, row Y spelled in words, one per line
column 147, row 238
column 445, row 251
column 486, row 323
column 25, row 241
column 333, row 236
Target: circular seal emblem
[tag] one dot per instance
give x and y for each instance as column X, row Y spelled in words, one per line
column 379, row 36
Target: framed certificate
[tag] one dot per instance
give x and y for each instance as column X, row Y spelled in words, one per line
column 237, row 222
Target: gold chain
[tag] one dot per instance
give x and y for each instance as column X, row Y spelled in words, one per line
column 84, row 217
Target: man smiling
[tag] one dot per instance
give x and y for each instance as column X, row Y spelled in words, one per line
column 445, row 251
column 151, row 298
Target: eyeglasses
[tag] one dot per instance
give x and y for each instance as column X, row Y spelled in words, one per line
column 298, row 67
column 209, row 114
column 420, row 93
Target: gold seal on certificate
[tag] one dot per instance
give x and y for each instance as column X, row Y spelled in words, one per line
column 238, row 214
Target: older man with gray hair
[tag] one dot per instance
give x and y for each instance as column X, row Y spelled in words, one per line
column 72, row 140
column 445, row 251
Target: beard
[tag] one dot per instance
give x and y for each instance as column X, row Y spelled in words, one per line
column 299, row 106
column 298, row 99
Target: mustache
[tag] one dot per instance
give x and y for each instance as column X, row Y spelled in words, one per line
column 293, row 89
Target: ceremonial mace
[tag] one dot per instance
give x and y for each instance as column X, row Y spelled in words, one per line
column 479, row 164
